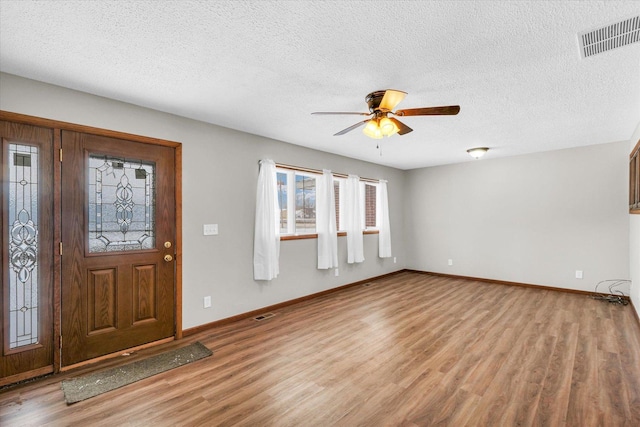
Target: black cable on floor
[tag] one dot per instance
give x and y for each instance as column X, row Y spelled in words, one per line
column 615, row 296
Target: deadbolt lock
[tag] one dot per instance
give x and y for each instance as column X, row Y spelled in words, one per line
column 167, row 245
column 168, row 258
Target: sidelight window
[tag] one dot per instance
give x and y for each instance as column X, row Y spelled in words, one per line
column 23, row 245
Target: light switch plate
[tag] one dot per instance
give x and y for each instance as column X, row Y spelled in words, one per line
column 210, row 229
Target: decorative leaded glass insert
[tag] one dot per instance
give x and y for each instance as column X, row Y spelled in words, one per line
column 121, row 204
column 23, row 245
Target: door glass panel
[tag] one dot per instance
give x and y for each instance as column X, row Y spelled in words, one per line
column 121, row 204
column 23, row 245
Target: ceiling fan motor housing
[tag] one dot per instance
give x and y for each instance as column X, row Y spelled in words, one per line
column 374, row 99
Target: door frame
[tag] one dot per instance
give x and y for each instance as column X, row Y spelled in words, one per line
column 58, row 127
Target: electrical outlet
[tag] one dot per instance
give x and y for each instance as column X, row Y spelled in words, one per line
column 450, row 262
column 336, row 272
column 207, row 302
column 578, row 274
column 394, row 260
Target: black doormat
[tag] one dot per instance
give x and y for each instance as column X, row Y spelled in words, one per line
column 81, row 388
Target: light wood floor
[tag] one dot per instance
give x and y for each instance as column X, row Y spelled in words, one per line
column 410, row 349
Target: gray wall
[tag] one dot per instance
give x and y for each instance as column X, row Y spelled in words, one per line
column 220, row 169
column 634, row 242
column 532, row 219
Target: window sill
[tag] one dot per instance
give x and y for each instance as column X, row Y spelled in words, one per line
column 315, row 235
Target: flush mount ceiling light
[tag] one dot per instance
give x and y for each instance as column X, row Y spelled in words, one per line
column 477, row 152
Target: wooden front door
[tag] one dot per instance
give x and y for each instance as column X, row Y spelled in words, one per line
column 26, row 312
column 118, row 239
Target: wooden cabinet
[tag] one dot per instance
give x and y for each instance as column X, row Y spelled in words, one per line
column 634, row 180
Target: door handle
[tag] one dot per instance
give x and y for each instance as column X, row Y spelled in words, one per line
column 168, row 258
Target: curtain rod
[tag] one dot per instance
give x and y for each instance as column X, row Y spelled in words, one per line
column 319, row 172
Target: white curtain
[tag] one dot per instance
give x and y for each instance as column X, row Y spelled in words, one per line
column 326, row 222
column 353, row 220
column 266, row 244
column 384, row 238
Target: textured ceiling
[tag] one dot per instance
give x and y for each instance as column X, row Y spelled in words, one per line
column 263, row 66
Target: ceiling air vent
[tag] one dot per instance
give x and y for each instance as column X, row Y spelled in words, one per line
column 609, row 37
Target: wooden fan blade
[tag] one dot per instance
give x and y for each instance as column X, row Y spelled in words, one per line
column 391, row 98
column 350, row 128
column 451, row 110
column 403, row 129
column 325, row 113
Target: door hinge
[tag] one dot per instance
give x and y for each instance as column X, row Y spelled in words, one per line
column 60, row 248
column 61, row 154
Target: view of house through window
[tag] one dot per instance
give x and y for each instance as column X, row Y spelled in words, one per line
column 336, row 193
column 370, row 220
column 297, row 202
column 283, row 201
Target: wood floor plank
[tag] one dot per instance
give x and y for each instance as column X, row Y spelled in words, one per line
column 554, row 397
column 628, row 343
column 406, row 350
column 583, row 398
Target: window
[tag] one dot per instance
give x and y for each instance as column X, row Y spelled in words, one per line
column 370, row 211
column 634, row 180
column 368, row 204
column 305, row 203
column 24, row 247
column 297, row 202
column 283, row 201
column 297, row 188
column 337, row 183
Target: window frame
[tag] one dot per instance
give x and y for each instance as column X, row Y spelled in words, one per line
column 291, row 202
column 292, row 171
column 376, row 205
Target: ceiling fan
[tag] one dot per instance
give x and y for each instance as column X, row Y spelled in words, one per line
column 381, row 103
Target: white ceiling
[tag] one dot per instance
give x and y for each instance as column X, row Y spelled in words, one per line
column 263, row 66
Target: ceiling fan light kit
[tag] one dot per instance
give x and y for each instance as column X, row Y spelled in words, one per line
column 381, row 103
column 372, row 130
column 477, row 152
column 377, row 128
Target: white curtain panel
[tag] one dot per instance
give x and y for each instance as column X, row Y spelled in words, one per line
column 353, row 220
column 326, row 222
column 266, row 244
column 384, row 238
